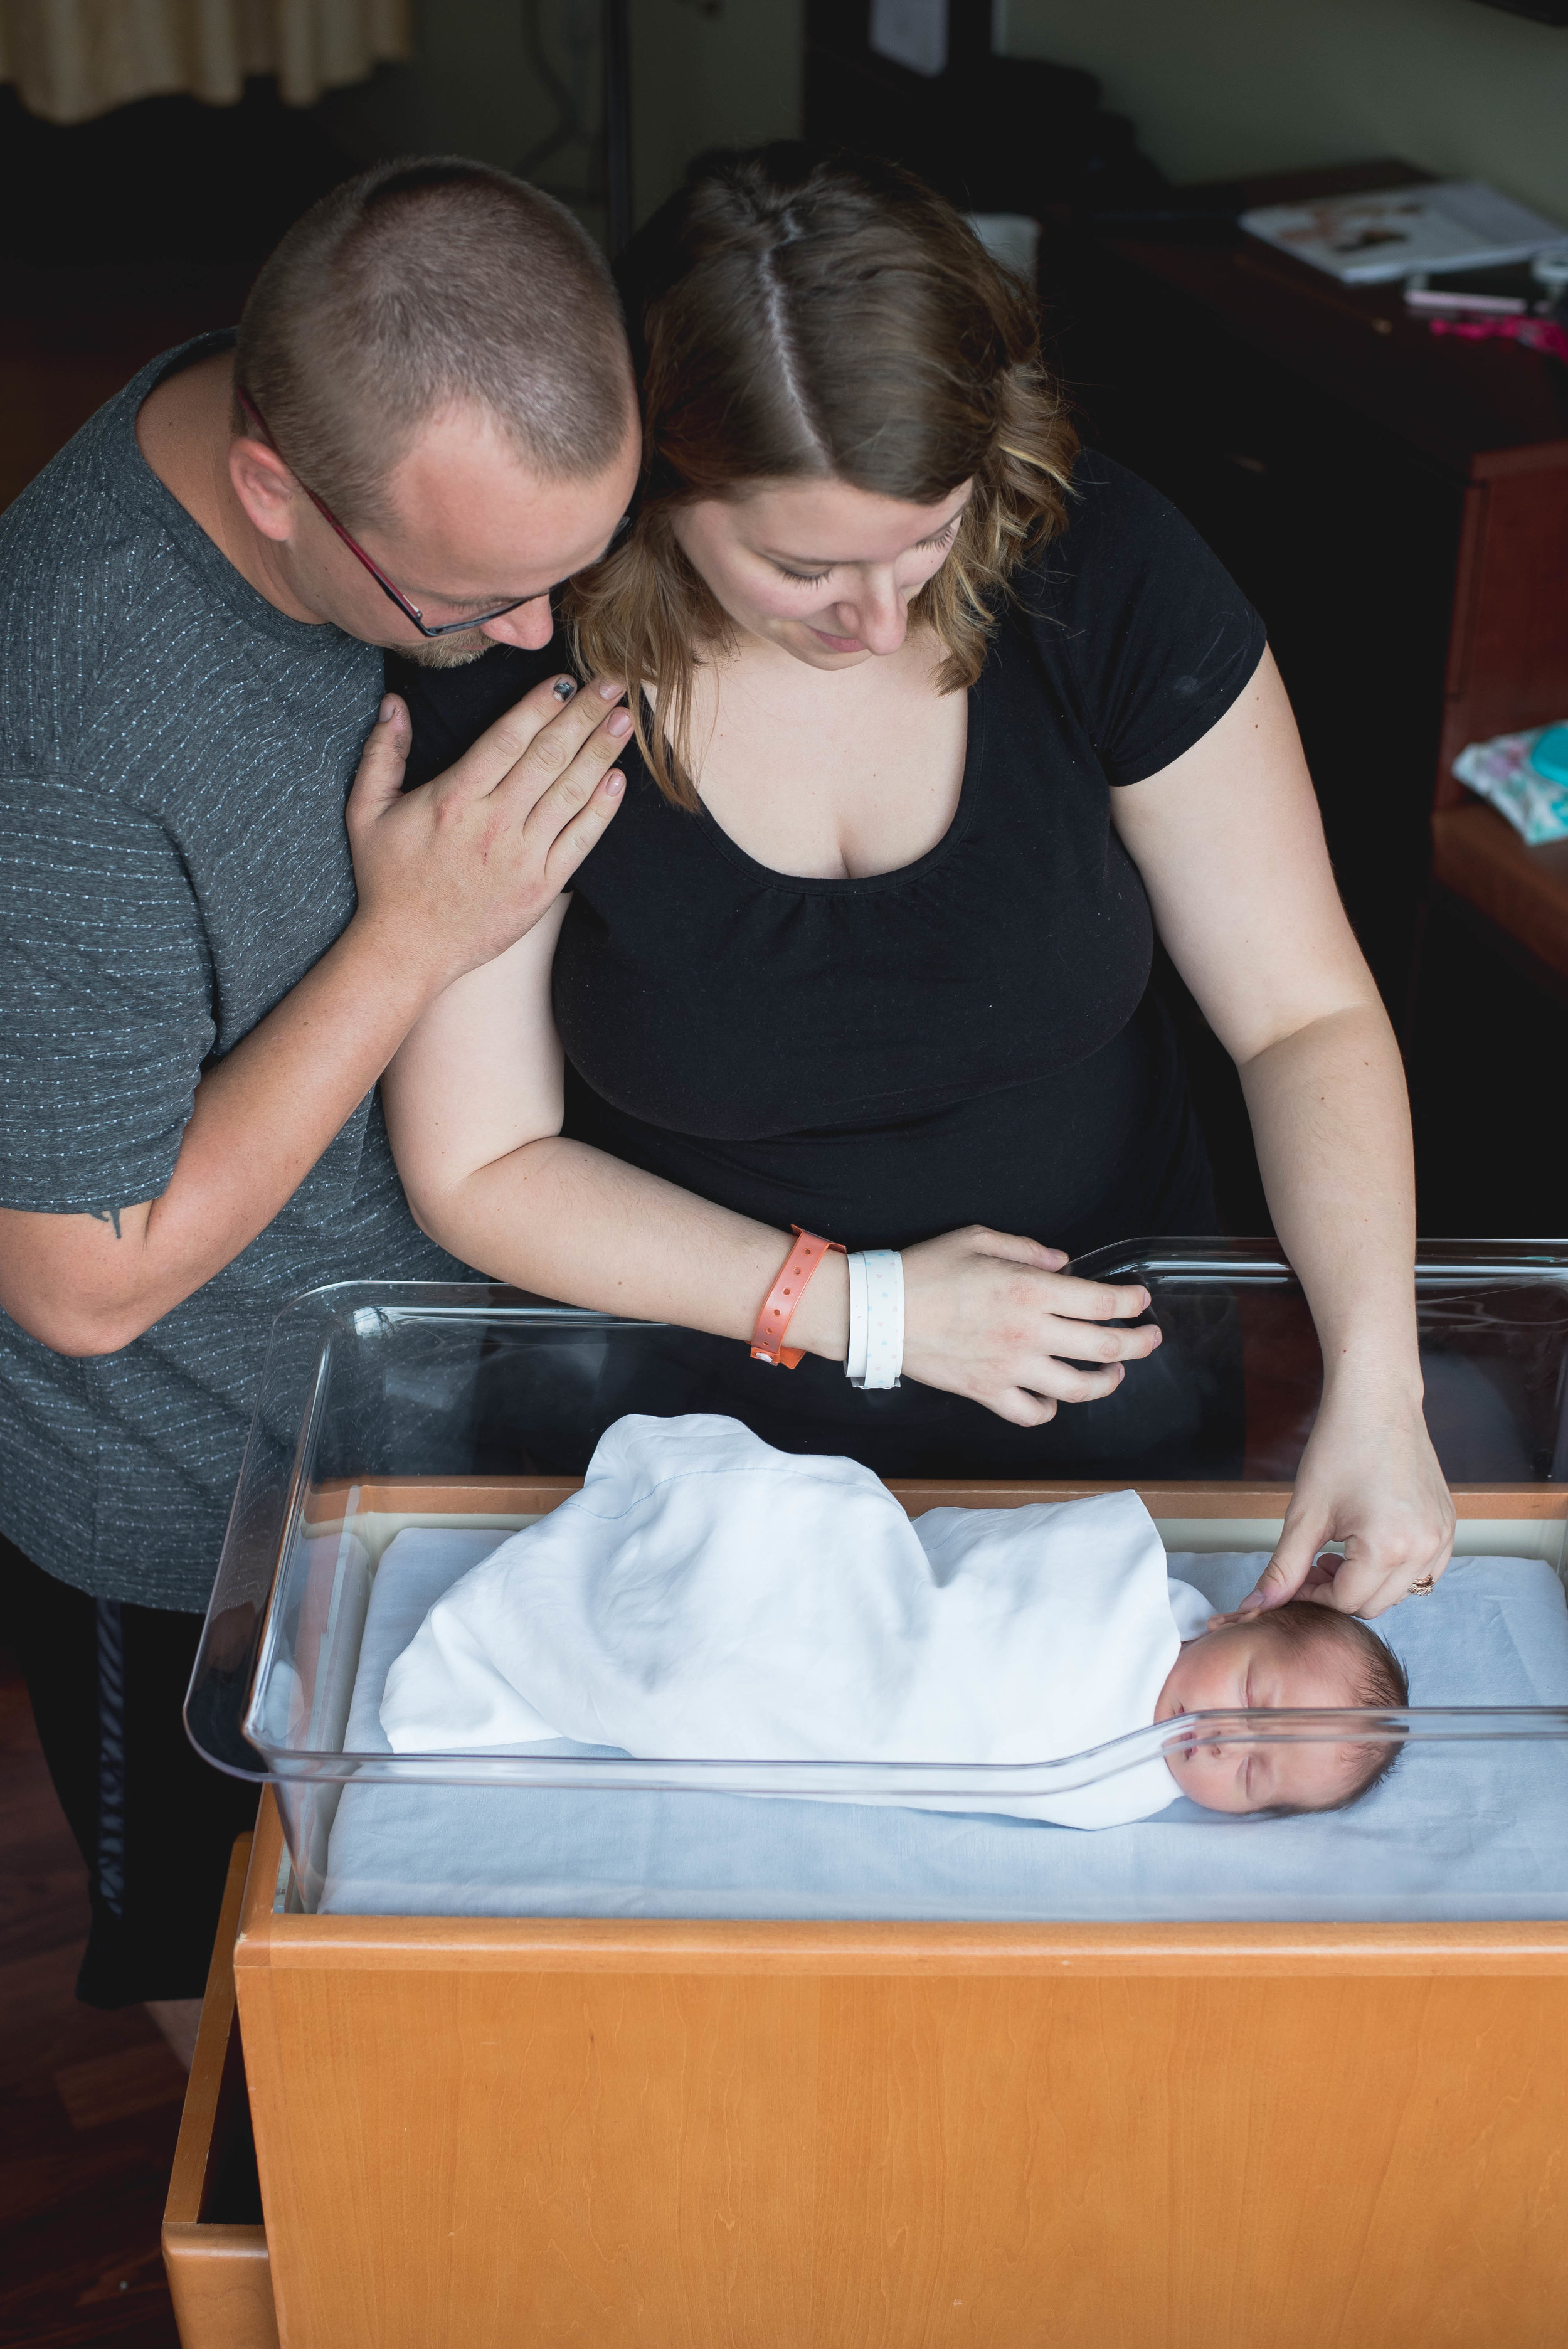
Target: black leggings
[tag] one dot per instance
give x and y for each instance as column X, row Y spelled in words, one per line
column 155, row 1823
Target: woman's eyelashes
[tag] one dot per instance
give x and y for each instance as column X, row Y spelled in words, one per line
column 942, row 540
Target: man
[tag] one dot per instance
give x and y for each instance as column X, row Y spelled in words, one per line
column 426, row 422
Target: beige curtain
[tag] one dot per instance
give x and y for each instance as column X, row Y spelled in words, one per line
column 71, row 59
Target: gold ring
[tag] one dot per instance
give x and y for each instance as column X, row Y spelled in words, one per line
column 1424, row 1589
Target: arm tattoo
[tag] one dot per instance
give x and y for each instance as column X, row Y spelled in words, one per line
column 106, row 1216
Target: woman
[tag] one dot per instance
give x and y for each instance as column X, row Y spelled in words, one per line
column 937, row 721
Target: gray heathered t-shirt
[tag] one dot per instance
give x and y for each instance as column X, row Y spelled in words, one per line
column 174, row 758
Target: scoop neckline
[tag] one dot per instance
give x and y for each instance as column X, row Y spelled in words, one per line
column 808, row 885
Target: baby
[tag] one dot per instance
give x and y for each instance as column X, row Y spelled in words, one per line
column 706, row 1598
column 1299, row 1654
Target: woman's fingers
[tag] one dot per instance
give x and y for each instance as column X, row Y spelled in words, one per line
column 1031, row 1393
column 1070, row 1381
column 1007, row 1248
column 1370, row 1579
column 1369, row 1481
column 1082, row 1342
column 1066, row 1294
column 1299, row 1542
column 1020, row 1407
column 993, row 1315
column 1097, row 1300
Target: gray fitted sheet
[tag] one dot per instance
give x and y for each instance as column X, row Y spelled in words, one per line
column 1460, row 1831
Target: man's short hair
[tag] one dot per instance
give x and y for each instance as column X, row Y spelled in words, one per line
column 420, row 286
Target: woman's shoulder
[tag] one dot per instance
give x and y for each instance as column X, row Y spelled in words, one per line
column 1117, row 526
column 449, row 708
column 1137, row 620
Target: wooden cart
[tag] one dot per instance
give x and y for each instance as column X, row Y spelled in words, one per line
column 488, row 2134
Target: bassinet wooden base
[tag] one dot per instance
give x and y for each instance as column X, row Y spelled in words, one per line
column 482, row 2133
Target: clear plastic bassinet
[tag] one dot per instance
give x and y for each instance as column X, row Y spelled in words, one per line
column 391, row 1410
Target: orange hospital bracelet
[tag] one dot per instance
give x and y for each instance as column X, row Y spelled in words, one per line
column 767, row 1338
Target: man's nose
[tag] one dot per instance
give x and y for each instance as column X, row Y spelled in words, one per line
column 531, row 627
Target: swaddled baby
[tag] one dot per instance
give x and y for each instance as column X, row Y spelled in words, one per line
column 706, row 1598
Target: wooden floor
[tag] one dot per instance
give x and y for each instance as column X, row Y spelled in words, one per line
column 89, row 2102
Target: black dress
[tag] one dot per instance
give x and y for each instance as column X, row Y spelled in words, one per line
column 972, row 1039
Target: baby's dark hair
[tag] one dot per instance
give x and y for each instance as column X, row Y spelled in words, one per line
column 1376, row 1679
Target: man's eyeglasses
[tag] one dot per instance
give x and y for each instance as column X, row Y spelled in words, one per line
column 411, row 612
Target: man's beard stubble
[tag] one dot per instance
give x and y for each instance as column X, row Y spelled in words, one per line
column 448, row 652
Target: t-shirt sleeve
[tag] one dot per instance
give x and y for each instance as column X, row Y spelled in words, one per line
column 105, row 996
column 1158, row 634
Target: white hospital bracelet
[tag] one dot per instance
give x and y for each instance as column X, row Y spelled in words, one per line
column 855, row 1359
column 875, row 1357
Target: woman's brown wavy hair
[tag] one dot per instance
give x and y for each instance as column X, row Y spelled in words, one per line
column 801, row 316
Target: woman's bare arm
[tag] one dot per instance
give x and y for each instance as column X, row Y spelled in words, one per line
column 473, row 1105
column 1230, row 844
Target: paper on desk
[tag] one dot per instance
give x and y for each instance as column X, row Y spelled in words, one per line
column 1500, row 771
column 1391, row 232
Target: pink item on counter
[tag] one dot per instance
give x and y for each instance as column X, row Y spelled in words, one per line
column 1536, row 334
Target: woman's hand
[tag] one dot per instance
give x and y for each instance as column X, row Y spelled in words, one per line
column 991, row 1316
column 1370, row 1479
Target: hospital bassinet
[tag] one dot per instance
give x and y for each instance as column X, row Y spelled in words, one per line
column 575, row 2048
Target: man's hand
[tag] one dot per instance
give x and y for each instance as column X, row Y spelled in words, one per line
column 448, row 876
column 453, row 873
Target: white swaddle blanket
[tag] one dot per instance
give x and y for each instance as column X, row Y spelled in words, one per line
column 705, row 1597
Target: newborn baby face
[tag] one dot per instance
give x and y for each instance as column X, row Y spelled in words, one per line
column 1240, row 1668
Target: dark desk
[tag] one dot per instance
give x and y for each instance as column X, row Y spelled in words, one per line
column 1396, row 503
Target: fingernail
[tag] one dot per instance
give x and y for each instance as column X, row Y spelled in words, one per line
column 1250, row 1604
column 387, row 712
column 614, row 784
column 621, row 723
column 565, row 688
column 611, row 688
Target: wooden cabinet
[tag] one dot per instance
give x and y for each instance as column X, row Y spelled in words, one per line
column 1508, row 640
column 478, row 2133
column 214, row 2243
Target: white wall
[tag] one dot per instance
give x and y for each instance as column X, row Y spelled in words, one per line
column 1220, row 88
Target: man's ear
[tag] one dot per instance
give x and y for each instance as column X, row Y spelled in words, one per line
column 264, row 487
